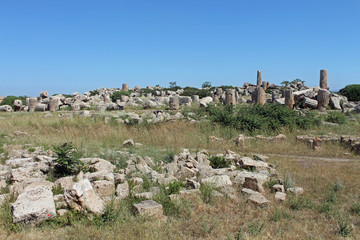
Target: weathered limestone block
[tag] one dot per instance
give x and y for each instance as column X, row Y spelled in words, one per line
column 323, row 99
column 174, row 103
column 6, row 108
column 217, row 181
column 104, row 188
column 34, row 205
column 309, row 103
column 82, row 196
column 149, row 208
column 44, row 94
column 17, row 105
column 122, row 190
column 40, row 107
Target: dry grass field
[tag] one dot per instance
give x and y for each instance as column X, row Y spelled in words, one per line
column 329, row 208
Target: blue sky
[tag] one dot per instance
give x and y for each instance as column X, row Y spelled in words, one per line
column 66, row 46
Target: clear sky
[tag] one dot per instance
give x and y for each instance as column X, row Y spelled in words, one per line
column 64, row 46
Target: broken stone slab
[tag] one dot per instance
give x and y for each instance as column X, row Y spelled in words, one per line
column 218, row 181
column 256, row 182
column 104, row 188
column 258, row 200
column 122, row 190
column 82, row 197
column 278, row 188
column 149, row 208
column 248, row 163
column 280, row 196
column 204, row 102
column 19, row 187
column 128, row 143
column 65, row 182
column 260, row 157
column 144, row 195
column 98, row 164
column 295, row 190
column 18, row 162
column 99, row 175
column 310, row 103
column 34, row 205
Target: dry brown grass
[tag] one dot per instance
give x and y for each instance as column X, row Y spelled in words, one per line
column 221, row 219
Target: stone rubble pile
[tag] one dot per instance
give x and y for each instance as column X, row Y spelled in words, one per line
column 27, row 172
column 315, row 142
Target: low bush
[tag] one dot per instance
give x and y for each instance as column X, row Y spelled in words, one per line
column 117, row 95
column 219, row 162
column 207, row 192
column 190, row 91
column 174, row 187
column 67, row 159
column 336, row 117
column 270, row 118
column 352, row 92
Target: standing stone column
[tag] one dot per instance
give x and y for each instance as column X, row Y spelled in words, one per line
column 323, row 98
column 54, row 104
column 289, row 98
column 125, row 87
column 275, row 95
column 230, row 97
column 174, row 103
column 258, row 96
column 32, row 103
column 259, row 79
column 323, row 79
column 265, row 85
column 218, row 94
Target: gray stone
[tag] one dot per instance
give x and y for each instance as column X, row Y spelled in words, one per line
column 34, row 205
column 258, row 200
column 122, row 190
column 82, row 196
column 149, row 208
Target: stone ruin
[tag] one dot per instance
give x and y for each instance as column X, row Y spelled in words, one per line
column 28, row 172
column 293, row 96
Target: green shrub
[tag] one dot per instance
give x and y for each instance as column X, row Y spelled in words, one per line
column 298, row 203
column 255, row 228
column 207, row 192
column 336, row 117
column 219, row 162
column 344, row 226
column 270, row 118
column 170, row 208
column 117, row 95
column 67, row 159
column 352, row 92
column 94, row 92
column 9, row 100
column 190, row 91
column 355, row 208
column 289, row 181
column 174, row 187
column 206, row 85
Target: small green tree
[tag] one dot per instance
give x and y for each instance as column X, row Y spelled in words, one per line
column 67, row 159
column 206, row 85
column 172, row 84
